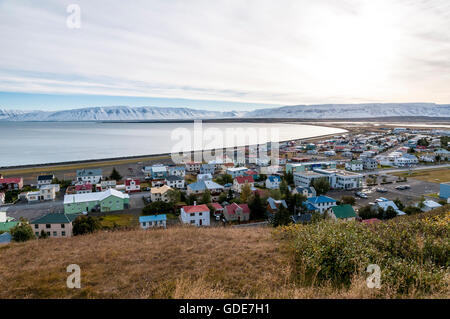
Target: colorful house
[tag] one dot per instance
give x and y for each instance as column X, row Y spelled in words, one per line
column 197, row 215
column 240, row 181
column 92, row 176
column 55, row 225
column 132, row 185
column 12, row 183
column 343, row 212
column 153, row 221
column 107, row 201
column 236, row 212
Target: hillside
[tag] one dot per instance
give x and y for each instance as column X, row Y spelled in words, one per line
column 185, row 262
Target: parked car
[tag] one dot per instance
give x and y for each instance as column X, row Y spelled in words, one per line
column 381, row 190
column 361, row 194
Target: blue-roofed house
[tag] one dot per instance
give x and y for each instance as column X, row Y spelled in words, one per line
column 207, row 169
column 179, row 171
column 5, row 238
column 320, row 203
column 200, row 187
column 444, row 190
column 305, row 191
column 273, row 182
column 385, row 203
column 273, row 205
column 153, row 221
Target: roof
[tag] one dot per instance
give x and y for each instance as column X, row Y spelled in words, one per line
column 216, row 206
column 231, row 209
column 7, row 225
column 11, row 180
column 274, row 178
column 343, row 211
column 195, row 209
column 251, row 172
column 244, row 179
column 160, row 190
column 309, row 189
column 5, row 238
column 202, row 185
column 273, row 203
column 90, row 197
column 83, row 187
column 89, row 172
column 129, row 180
column 177, row 168
column 152, row 218
column 237, row 169
column 321, row 199
column 55, row 218
column 173, row 178
column 158, row 168
column 45, row 177
column 431, row 204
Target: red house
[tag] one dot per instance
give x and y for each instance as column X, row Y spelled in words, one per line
column 12, row 183
column 132, row 185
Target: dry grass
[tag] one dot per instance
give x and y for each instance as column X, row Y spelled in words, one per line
column 429, row 175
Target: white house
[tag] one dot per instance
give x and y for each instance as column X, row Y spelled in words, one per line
column 320, row 203
column 175, row 181
column 46, row 192
column 354, row 166
column 429, row 205
column 193, row 166
column 44, row 180
column 179, row 171
column 153, row 221
column 240, row 181
column 132, row 185
column 406, row 160
column 305, row 191
column 92, row 176
column 198, row 215
column 204, row 177
column 273, row 182
column 236, row 171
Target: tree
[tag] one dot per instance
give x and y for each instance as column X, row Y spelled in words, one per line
column 289, row 178
column 437, row 158
column 367, row 212
column 275, row 194
column 282, row 217
column 257, row 209
column 206, row 197
column 321, row 185
column 246, row 193
column 115, row 175
column 191, row 199
column 43, row 235
column 230, row 195
column 423, row 142
column 348, row 200
column 284, row 190
column 412, row 210
column 225, row 179
column 222, row 197
column 174, row 196
column 295, row 203
column 399, row 204
column 22, row 232
column 85, row 225
column 421, row 204
column 159, row 207
column 390, row 213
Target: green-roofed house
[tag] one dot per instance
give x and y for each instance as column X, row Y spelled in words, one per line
column 343, row 212
column 6, row 223
column 55, row 224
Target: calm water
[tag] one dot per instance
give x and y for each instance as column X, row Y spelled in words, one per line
column 50, row 142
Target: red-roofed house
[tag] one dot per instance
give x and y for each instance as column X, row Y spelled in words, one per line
column 132, row 185
column 195, row 215
column 240, row 181
column 12, row 183
column 218, row 209
column 83, row 189
column 239, row 212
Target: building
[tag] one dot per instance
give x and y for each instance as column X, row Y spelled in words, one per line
column 201, row 186
column 218, row 209
column 343, row 212
column 429, row 205
column 405, row 160
column 204, row 177
column 207, row 169
column 369, row 163
column 308, row 166
column 12, row 183
column 46, row 192
column 240, row 181
column 105, row 185
column 273, row 182
column 236, row 212
column 444, row 190
column 385, row 203
column 236, row 171
column 354, row 166
column 157, row 171
column 305, row 179
column 44, row 180
column 193, row 167
column 175, row 181
column 305, row 191
column 338, row 179
column 5, row 238
column 197, row 215
column 179, row 171
column 273, row 205
column 6, row 222
column 92, row 176
column 2, row 198
column 83, row 188
column 132, row 185
column 158, row 194
column 252, row 173
column 107, row 201
column 55, row 225
column 153, row 221
column 320, row 203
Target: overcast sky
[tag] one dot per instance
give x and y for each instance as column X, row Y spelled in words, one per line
column 231, row 54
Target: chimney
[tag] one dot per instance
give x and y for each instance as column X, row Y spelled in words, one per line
column 195, row 203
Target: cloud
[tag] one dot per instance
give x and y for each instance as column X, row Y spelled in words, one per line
column 288, row 52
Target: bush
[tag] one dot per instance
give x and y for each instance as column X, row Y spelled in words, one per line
column 22, row 232
column 412, row 253
column 158, row 207
column 85, row 225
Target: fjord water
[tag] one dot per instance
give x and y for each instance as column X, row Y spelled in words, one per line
column 23, row 143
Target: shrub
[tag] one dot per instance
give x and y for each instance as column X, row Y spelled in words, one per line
column 85, row 225
column 22, row 232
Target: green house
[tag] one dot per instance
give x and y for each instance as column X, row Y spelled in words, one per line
column 108, row 201
column 6, row 226
column 343, row 212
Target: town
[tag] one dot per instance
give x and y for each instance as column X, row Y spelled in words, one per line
column 366, row 176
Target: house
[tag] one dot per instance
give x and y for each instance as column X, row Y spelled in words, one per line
column 329, row 153
column 405, row 160
column 442, row 153
column 55, row 225
column 6, row 223
column 218, row 209
column 160, row 193
column 83, row 188
column 240, row 181
column 252, row 173
column 369, row 163
column 354, row 166
column 5, row 238
column 12, row 183
column 157, row 171
column 305, row 179
column 305, row 191
column 105, row 185
column 385, row 203
column 197, row 215
column 204, row 177
column 46, row 192
column 273, row 205
column 44, row 180
column 429, row 205
column 193, row 167
column 343, row 212
column 427, row 158
column 320, row 203
column 179, row 171
column 444, row 190
column 309, row 166
column 107, row 201
column 207, row 169
column 92, row 176
column 273, row 182
column 132, row 185
column 175, row 181
column 201, row 186
column 153, row 221
column 236, row 212
column 236, row 171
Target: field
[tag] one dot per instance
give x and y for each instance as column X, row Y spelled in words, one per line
column 122, row 220
column 186, row 262
column 430, row 175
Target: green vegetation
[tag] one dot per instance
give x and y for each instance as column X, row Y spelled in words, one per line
column 321, row 185
column 119, row 220
column 348, row 200
column 412, row 252
column 22, row 232
column 115, row 175
column 224, row 179
column 85, row 225
column 158, row 207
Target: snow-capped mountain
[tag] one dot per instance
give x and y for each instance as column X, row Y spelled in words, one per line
column 323, row 111
column 352, row 111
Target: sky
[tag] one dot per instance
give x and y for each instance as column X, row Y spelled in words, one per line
column 223, row 54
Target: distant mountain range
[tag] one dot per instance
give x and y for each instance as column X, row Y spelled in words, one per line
column 322, row 111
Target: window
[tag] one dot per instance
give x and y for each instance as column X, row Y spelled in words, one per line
column 63, row 225
column 63, row 233
column 192, row 221
column 36, row 226
column 37, row 234
column 143, row 224
column 47, row 226
column 200, row 214
column 48, row 234
column 55, row 234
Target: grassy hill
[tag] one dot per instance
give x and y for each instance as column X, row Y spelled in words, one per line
column 324, row 260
